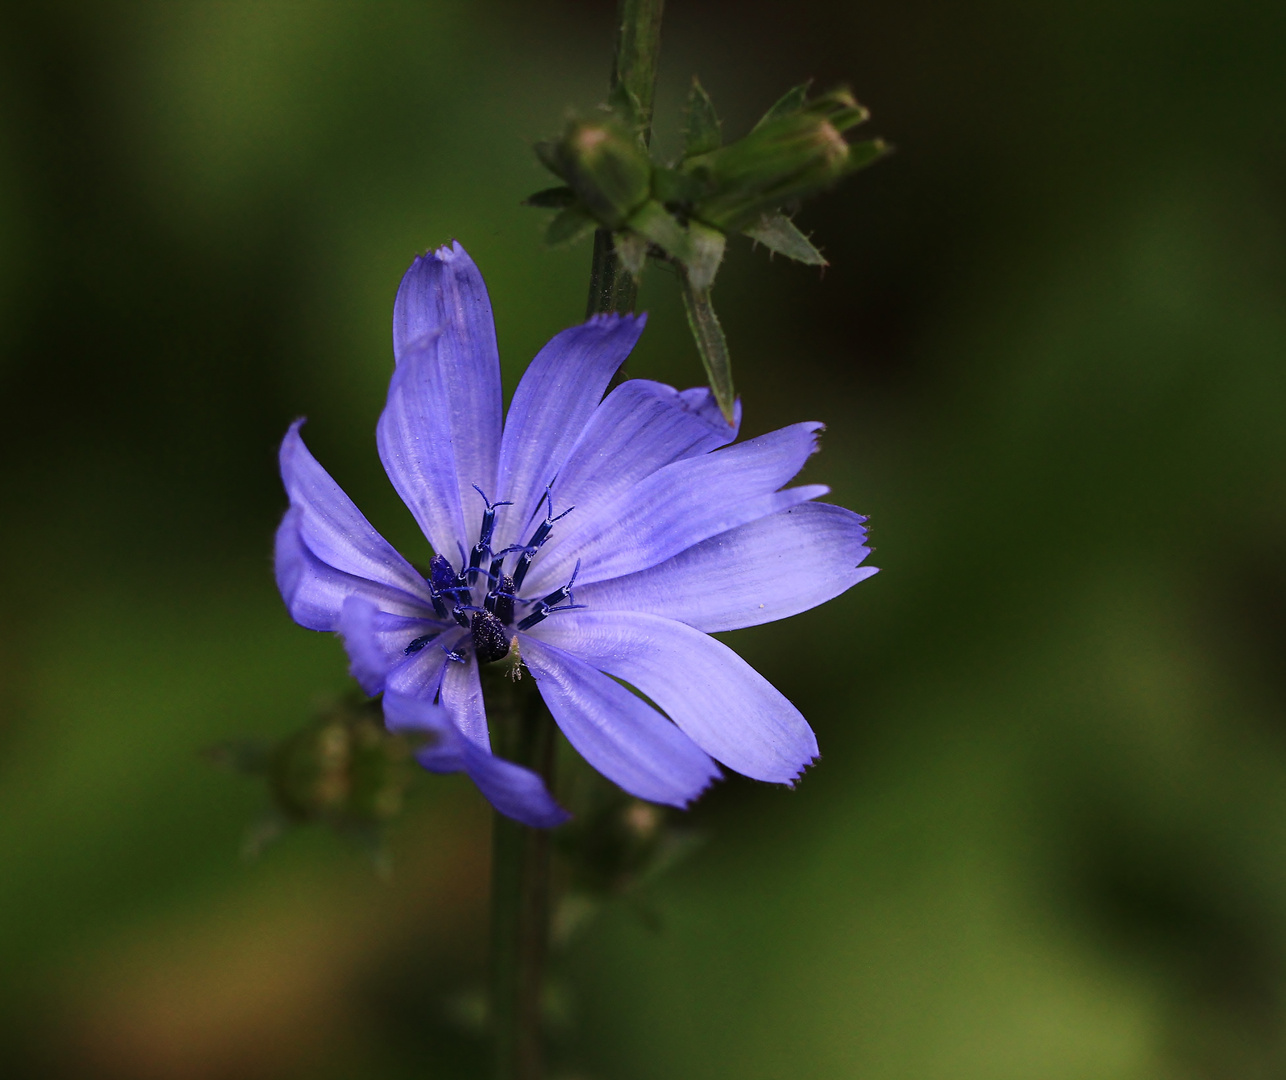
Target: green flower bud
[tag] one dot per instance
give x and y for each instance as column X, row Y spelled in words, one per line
column 604, row 165
column 787, row 157
column 344, row 768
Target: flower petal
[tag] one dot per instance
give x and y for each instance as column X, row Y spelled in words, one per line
column 333, row 529
column 514, row 791
column 462, row 698
column 622, row 736
column 768, row 569
column 555, row 399
column 315, row 592
column 440, row 432
column 422, row 673
column 415, row 445
column 640, row 427
column 376, row 641
column 678, row 506
column 701, row 399
column 719, row 701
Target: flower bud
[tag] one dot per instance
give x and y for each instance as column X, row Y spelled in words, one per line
column 345, row 769
column 786, row 157
column 604, row 165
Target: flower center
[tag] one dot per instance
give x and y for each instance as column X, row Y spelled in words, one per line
column 453, row 594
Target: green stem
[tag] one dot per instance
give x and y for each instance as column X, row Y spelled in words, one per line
column 521, row 731
column 638, row 45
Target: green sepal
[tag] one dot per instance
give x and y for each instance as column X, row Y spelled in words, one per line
column 788, row 104
column 865, row 153
column 548, row 152
column 658, row 226
column 631, row 249
column 841, row 108
column 711, row 344
column 778, row 233
column 701, row 129
column 675, row 186
column 569, row 226
column 554, row 198
column 706, row 246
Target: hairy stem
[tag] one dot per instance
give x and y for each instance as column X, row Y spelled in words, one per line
column 638, row 45
column 521, row 731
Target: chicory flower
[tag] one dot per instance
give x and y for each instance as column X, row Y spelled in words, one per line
column 593, row 539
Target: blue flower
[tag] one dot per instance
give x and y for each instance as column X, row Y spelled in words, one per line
column 599, row 536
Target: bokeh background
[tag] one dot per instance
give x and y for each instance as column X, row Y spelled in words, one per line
column 1047, row 838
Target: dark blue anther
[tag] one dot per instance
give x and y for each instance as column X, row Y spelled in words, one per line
column 442, row 581
column 418, row 644
column 460, row 616
column 546, row 605
column 490, row 641
column 537, row 540
column 483, row 546
column 503, row 597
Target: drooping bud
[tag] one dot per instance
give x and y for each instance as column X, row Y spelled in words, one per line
column 604, row 166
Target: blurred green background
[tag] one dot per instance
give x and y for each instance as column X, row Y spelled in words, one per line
column 1047, row 838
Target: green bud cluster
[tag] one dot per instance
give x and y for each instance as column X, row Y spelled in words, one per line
column 792, row 153
column 684, row 212
column 342, row 769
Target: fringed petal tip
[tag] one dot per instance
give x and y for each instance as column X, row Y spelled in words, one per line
column 701, row 402
column 715, row 777
column 809, row 764
column 816, row 428
column 615, row 318
column 448, row 252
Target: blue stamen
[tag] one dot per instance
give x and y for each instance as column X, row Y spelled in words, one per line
column 547, row 605
column 419, row 643
column 538, row 538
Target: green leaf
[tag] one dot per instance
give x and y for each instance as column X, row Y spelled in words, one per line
column 711, row 344
column 790, row 102
column 569, row 226
column 778, row 233
column 656, row 224
column 701, row 132
column 554, row 198
column 707, row 247
column 631, row 249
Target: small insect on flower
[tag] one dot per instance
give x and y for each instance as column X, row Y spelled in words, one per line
column 606, row 537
